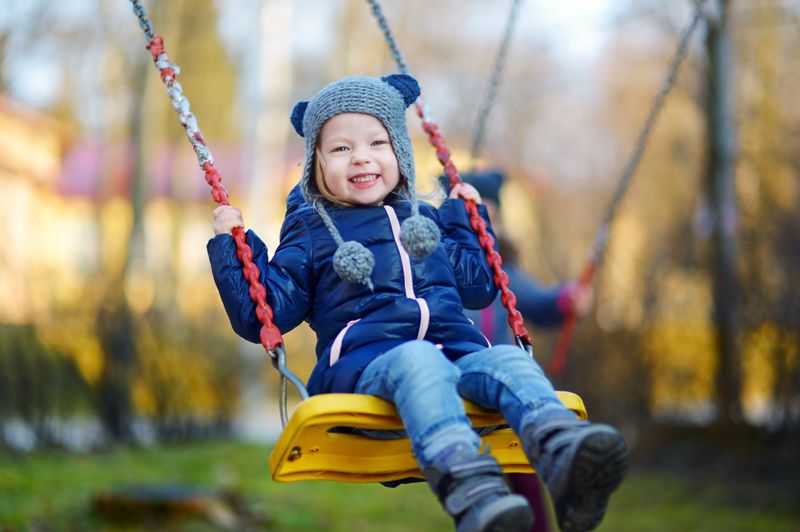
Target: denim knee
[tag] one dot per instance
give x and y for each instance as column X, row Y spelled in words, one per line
column 422, row 364
column 505, row 378
column 502, row 361
column 509, row 356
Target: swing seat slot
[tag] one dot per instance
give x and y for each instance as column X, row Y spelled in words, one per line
column 312, row 446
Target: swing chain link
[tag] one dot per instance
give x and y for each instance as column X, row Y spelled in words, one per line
column 435, row 138
column 602, row 237
column 144, row 23
column 601, row 240
column 387, row 35
column 494, row 82
column 509, row 300
column 269, row 335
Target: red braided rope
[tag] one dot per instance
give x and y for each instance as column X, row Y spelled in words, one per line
column 486, row 241
column 270, row 335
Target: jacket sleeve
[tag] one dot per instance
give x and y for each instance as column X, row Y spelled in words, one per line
column 474, row 276
column 288, row 278
column 537, row 303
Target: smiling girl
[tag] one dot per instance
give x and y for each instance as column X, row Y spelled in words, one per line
column 383, row 280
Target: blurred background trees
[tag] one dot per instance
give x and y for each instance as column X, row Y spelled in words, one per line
column 108, row 313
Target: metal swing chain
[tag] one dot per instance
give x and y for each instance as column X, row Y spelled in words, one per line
column 494, row 82
column 486, row 241
column 600, row 244
column 270, row 335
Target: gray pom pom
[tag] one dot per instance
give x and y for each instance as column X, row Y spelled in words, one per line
column 354, row 263
column 420, row 236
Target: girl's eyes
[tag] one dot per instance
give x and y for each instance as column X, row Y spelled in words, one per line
column 343, row 148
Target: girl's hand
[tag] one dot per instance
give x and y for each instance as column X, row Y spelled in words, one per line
column 467, row 192
column 584, row 297
column 226, row 218
column 576, row 299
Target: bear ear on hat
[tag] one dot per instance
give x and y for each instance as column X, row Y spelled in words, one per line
column 406, row 85
column 298, row 113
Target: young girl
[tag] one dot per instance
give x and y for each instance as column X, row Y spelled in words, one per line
column 383, row 280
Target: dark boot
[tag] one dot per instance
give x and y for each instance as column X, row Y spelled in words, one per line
column 472, row 491
column 581, row 463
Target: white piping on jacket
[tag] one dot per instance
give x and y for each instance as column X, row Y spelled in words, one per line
column 336, row 348
column 424, row 318
column 488, row 343
column 405, row 260
column 408, row 285
column 408, row 281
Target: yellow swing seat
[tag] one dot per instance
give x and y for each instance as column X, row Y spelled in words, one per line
column 308, row 449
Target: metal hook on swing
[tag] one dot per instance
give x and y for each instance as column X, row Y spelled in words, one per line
column 278, row 356
column 524, row 344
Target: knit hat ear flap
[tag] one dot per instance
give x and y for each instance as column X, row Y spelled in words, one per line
column 418, row 234
column 298, row 113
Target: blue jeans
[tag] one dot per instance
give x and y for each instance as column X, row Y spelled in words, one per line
column 426, row 387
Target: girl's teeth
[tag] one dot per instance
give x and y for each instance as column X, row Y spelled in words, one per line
column 364, row 179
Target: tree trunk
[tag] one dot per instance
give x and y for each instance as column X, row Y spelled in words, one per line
column 720, row 191
column 117, row 323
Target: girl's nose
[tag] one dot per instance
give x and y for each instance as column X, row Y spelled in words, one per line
column 359, row 155
column 359, row 158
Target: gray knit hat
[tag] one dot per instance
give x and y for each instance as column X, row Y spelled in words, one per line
column 386, row 99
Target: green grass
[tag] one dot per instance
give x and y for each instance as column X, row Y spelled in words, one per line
column 53, row 491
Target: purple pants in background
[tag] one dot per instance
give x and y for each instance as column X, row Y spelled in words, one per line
column 530, row 487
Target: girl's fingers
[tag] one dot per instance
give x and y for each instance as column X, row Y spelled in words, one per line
column 467, row 191
column 227, row 210
column 226, row 218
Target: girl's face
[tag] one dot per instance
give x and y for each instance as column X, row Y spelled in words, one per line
column 360, row 165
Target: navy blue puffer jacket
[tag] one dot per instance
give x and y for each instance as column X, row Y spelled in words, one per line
column 412, row 299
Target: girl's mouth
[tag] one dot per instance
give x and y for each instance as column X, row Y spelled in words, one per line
column 363, row 180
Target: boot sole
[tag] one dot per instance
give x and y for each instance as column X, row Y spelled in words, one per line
column 507, row 514
column 598, row 468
